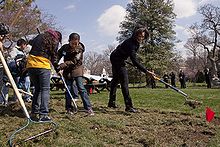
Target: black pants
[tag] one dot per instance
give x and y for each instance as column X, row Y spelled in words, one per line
column 182, row 84
column 120, row 75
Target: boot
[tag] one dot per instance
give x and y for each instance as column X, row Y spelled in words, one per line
column 112, row 104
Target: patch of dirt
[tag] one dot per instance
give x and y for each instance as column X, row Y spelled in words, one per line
column 159, row 128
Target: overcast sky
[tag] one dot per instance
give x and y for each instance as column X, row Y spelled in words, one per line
column 97, row 21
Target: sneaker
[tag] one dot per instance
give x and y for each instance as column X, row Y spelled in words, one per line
column 112, row 105
column 45, row 118
column 131, row 109
column 90, row 112
column 34, row 116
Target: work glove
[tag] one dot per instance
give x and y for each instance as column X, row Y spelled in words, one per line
column 62, row 66
column 68, row 63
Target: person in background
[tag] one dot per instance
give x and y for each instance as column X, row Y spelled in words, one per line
column 16, row 64
column 208, row 78
column 173, row 79
column 152, row 80
column 127, row 49
column 182, row 79
column 43, row 53
column 166, row 79
column 73, row 71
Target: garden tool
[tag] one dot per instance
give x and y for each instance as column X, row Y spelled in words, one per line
column 188, row 101
column 67, row 89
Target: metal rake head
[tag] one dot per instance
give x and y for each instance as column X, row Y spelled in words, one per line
column 193, row 103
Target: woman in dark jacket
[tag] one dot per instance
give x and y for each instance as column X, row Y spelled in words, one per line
column 127, row 49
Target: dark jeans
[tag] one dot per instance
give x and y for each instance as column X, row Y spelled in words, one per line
column 1, row 77
column 41, row 81
column 1, row 83
column 82, row 91
column 120, row 75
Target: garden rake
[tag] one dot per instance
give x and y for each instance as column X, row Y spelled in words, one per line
column 192, row 103
column 29, row 120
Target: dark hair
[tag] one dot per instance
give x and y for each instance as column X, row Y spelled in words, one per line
column 140, row 29
column 21, row 41
column 74, row 36
column 4, row 29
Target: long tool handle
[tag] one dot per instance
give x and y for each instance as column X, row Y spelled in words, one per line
column 14, row 86
column 62, row 78
column 172, row 87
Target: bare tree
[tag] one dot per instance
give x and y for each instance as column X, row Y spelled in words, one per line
column 93, row 62
column 96, row 62
column 206, row 35
column 23, row 17
column 198, row 59
column 106, row 58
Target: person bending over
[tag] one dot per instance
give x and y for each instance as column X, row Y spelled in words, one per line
column 128, row 49
column 42, row 54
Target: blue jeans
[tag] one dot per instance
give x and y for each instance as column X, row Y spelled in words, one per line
column 82, row 91
column 41, row 81
column 4, row 93
column 24, row 84
column 1, row 83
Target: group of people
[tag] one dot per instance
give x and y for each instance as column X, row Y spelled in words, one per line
column 36, row 67
column 172, row 77
column 45, row 53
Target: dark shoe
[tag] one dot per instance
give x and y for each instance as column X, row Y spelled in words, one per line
column 45, row 118
column 112, row 105
column 130, row 109
column 70, row 112
column 34, row 117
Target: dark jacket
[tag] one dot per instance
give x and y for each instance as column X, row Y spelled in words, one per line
column 127, row 49
column 75, row 67
column 39, row 47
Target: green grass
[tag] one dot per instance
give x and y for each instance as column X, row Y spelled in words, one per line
column 161, row 120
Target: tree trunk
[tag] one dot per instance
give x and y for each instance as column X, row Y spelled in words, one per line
column 213, row 69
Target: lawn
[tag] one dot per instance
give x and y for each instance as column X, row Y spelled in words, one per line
column 162, row 120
